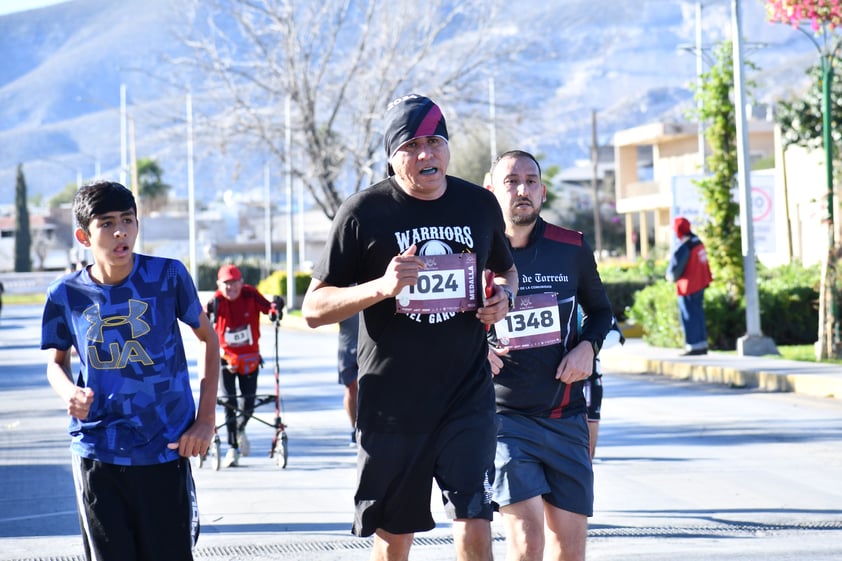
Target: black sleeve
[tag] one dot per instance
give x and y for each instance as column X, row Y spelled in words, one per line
column 597, row 313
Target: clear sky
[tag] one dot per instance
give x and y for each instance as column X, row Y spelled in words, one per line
column 9, row 6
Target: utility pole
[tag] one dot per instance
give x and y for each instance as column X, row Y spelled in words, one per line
column 267, row 223
column 191, row 191
column 492, row 115
column 124, row 166
column 699, row 71
column 288, row 173
column 753, row 343
column 128, row 172
column 597, row 215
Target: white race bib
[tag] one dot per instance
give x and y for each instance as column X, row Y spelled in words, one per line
column 447, row 284
column 534, row 322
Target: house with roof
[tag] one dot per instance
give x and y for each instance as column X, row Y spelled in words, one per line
column 48, row 251
column 787, row 200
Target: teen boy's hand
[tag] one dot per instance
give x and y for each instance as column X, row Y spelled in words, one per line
column 195, row 440
column 78, row 400
column 79, row 403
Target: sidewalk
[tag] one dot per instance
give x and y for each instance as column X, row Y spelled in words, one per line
column 762, row 373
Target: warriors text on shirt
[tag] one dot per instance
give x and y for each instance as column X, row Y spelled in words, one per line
column 459, row 234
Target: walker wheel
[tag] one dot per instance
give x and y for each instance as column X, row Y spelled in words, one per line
column 217, row 454
column 282, row 450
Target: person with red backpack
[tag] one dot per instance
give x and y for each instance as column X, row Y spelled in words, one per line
column 689, row 270
column 235, row 313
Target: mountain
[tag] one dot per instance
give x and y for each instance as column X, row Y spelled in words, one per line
column 64, row 64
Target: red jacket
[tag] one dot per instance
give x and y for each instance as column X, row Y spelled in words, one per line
column 237, row 324
column 689, row 267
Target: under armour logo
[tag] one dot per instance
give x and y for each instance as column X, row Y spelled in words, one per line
column 136, row 310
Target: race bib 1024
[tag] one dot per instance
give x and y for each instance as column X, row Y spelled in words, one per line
column 534, row 322
column 448, row 283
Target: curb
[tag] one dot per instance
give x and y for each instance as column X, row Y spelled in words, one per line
column 801, row 378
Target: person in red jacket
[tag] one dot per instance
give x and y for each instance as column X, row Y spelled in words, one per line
column 689, row 270
column 235, row 313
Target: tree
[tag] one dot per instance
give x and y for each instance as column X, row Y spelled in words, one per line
column 801, row 117
column 153, row 191
column 338, row 63
column 822, row 17
column 718, row 113
column 65, row 196
column 23, row 239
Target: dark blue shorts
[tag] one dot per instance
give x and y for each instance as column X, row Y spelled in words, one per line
column 347, row 364
column 348, row 372
column 395, row 475
column 549, row 458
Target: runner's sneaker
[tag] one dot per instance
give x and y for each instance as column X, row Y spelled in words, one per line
column 231, row 458
column 245, row 445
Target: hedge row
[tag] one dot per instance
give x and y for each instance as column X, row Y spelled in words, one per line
column 788, row 315
column 788, row 299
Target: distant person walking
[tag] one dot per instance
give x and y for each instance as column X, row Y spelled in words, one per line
column 235, row 314
column 689, row 270
column 348, row 368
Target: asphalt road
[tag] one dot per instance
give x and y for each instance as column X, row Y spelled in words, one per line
column 683, row 471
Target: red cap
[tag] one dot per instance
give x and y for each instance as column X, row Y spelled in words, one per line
column 681, row 226
column 228, row 273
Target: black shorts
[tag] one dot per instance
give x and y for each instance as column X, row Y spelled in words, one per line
column 144, row 513
column 395, row 475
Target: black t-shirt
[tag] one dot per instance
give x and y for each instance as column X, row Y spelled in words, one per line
column 556, row 260
column 416, row 370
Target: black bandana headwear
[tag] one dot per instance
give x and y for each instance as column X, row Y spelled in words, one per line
column 408, row 117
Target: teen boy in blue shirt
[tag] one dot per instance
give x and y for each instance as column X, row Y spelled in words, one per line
column 133, row 421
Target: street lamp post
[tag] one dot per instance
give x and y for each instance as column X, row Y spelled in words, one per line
column 127, row 124
column 830, row 338
column 290, row 257
column 754, row 343
column 128, row 154
column 191, row 191
column 699, row 102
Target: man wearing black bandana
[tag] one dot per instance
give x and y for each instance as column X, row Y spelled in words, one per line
column 426, row 398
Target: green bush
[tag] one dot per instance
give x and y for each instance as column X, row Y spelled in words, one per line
column 648, row 269
column 623, row 281
column 788, row 298
column 276, row 283
column 655, row 309
column 621, row 294
column 207, row 271
column 725, row 318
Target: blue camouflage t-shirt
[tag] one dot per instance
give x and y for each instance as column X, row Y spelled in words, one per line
column 132, row 356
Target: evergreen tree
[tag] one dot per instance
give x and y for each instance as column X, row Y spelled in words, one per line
column 23, row 236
